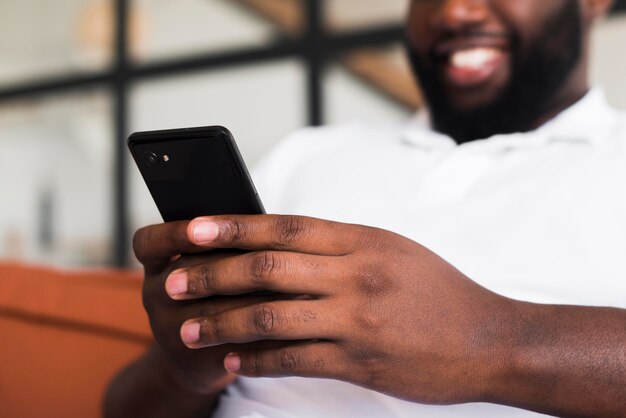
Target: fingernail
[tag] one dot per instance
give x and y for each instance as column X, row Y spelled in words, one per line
column 232, row 363
column 204, row 232
column 190, row 333
column 176, row 283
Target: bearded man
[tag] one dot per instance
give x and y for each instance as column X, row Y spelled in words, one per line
column 515, row 178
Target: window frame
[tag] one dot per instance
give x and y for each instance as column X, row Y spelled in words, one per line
column 315, row 48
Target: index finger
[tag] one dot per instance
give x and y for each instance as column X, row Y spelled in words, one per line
column 274, row 232
column 156, row 245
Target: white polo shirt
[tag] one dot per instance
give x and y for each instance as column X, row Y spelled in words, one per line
column 539, row 216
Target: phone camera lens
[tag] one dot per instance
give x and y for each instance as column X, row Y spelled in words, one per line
column 151, row 158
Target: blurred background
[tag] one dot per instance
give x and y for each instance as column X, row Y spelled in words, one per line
column 77, row 76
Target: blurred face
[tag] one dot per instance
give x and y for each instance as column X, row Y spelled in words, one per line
column 493, row 66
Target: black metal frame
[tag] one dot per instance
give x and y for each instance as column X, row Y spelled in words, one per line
column 314, row 48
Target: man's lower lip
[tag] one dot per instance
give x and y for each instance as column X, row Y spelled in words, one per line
column 472, row 77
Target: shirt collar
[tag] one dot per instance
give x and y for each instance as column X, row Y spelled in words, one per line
column 587, row 121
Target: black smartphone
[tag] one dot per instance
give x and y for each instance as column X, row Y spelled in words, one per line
column 195, row 172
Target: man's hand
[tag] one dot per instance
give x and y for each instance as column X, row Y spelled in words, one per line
column 371, row 307
column 160, row 249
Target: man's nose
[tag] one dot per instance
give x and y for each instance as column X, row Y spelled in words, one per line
column 459, row 15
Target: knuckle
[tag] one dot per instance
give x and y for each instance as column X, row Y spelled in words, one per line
column 203, row 281
column 237, row 231
column 255, row 365
column 289, row 360
column 371, row 281
column 211, row 330
column 288, row 229
column 265, row 264
column 264, row 319
column 307, row 315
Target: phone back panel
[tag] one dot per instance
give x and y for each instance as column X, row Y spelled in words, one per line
column 195, row 172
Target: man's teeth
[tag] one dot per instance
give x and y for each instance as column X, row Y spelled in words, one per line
column 474, row 58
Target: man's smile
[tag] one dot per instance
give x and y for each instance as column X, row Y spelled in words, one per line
column 473, row 61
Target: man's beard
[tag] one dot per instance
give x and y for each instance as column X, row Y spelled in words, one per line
column 536, row 79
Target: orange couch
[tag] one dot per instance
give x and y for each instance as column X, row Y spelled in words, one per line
column 63, row 335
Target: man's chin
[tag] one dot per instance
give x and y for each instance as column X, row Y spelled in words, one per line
column 474, row 97
column 472, row 101
column 474, row 115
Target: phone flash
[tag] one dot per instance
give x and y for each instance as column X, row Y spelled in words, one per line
column 166, row 158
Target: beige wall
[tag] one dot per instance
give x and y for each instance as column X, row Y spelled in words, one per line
column 608, row 62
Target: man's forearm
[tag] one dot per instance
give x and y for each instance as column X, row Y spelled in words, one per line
column 565, row 361
column 147, row 389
